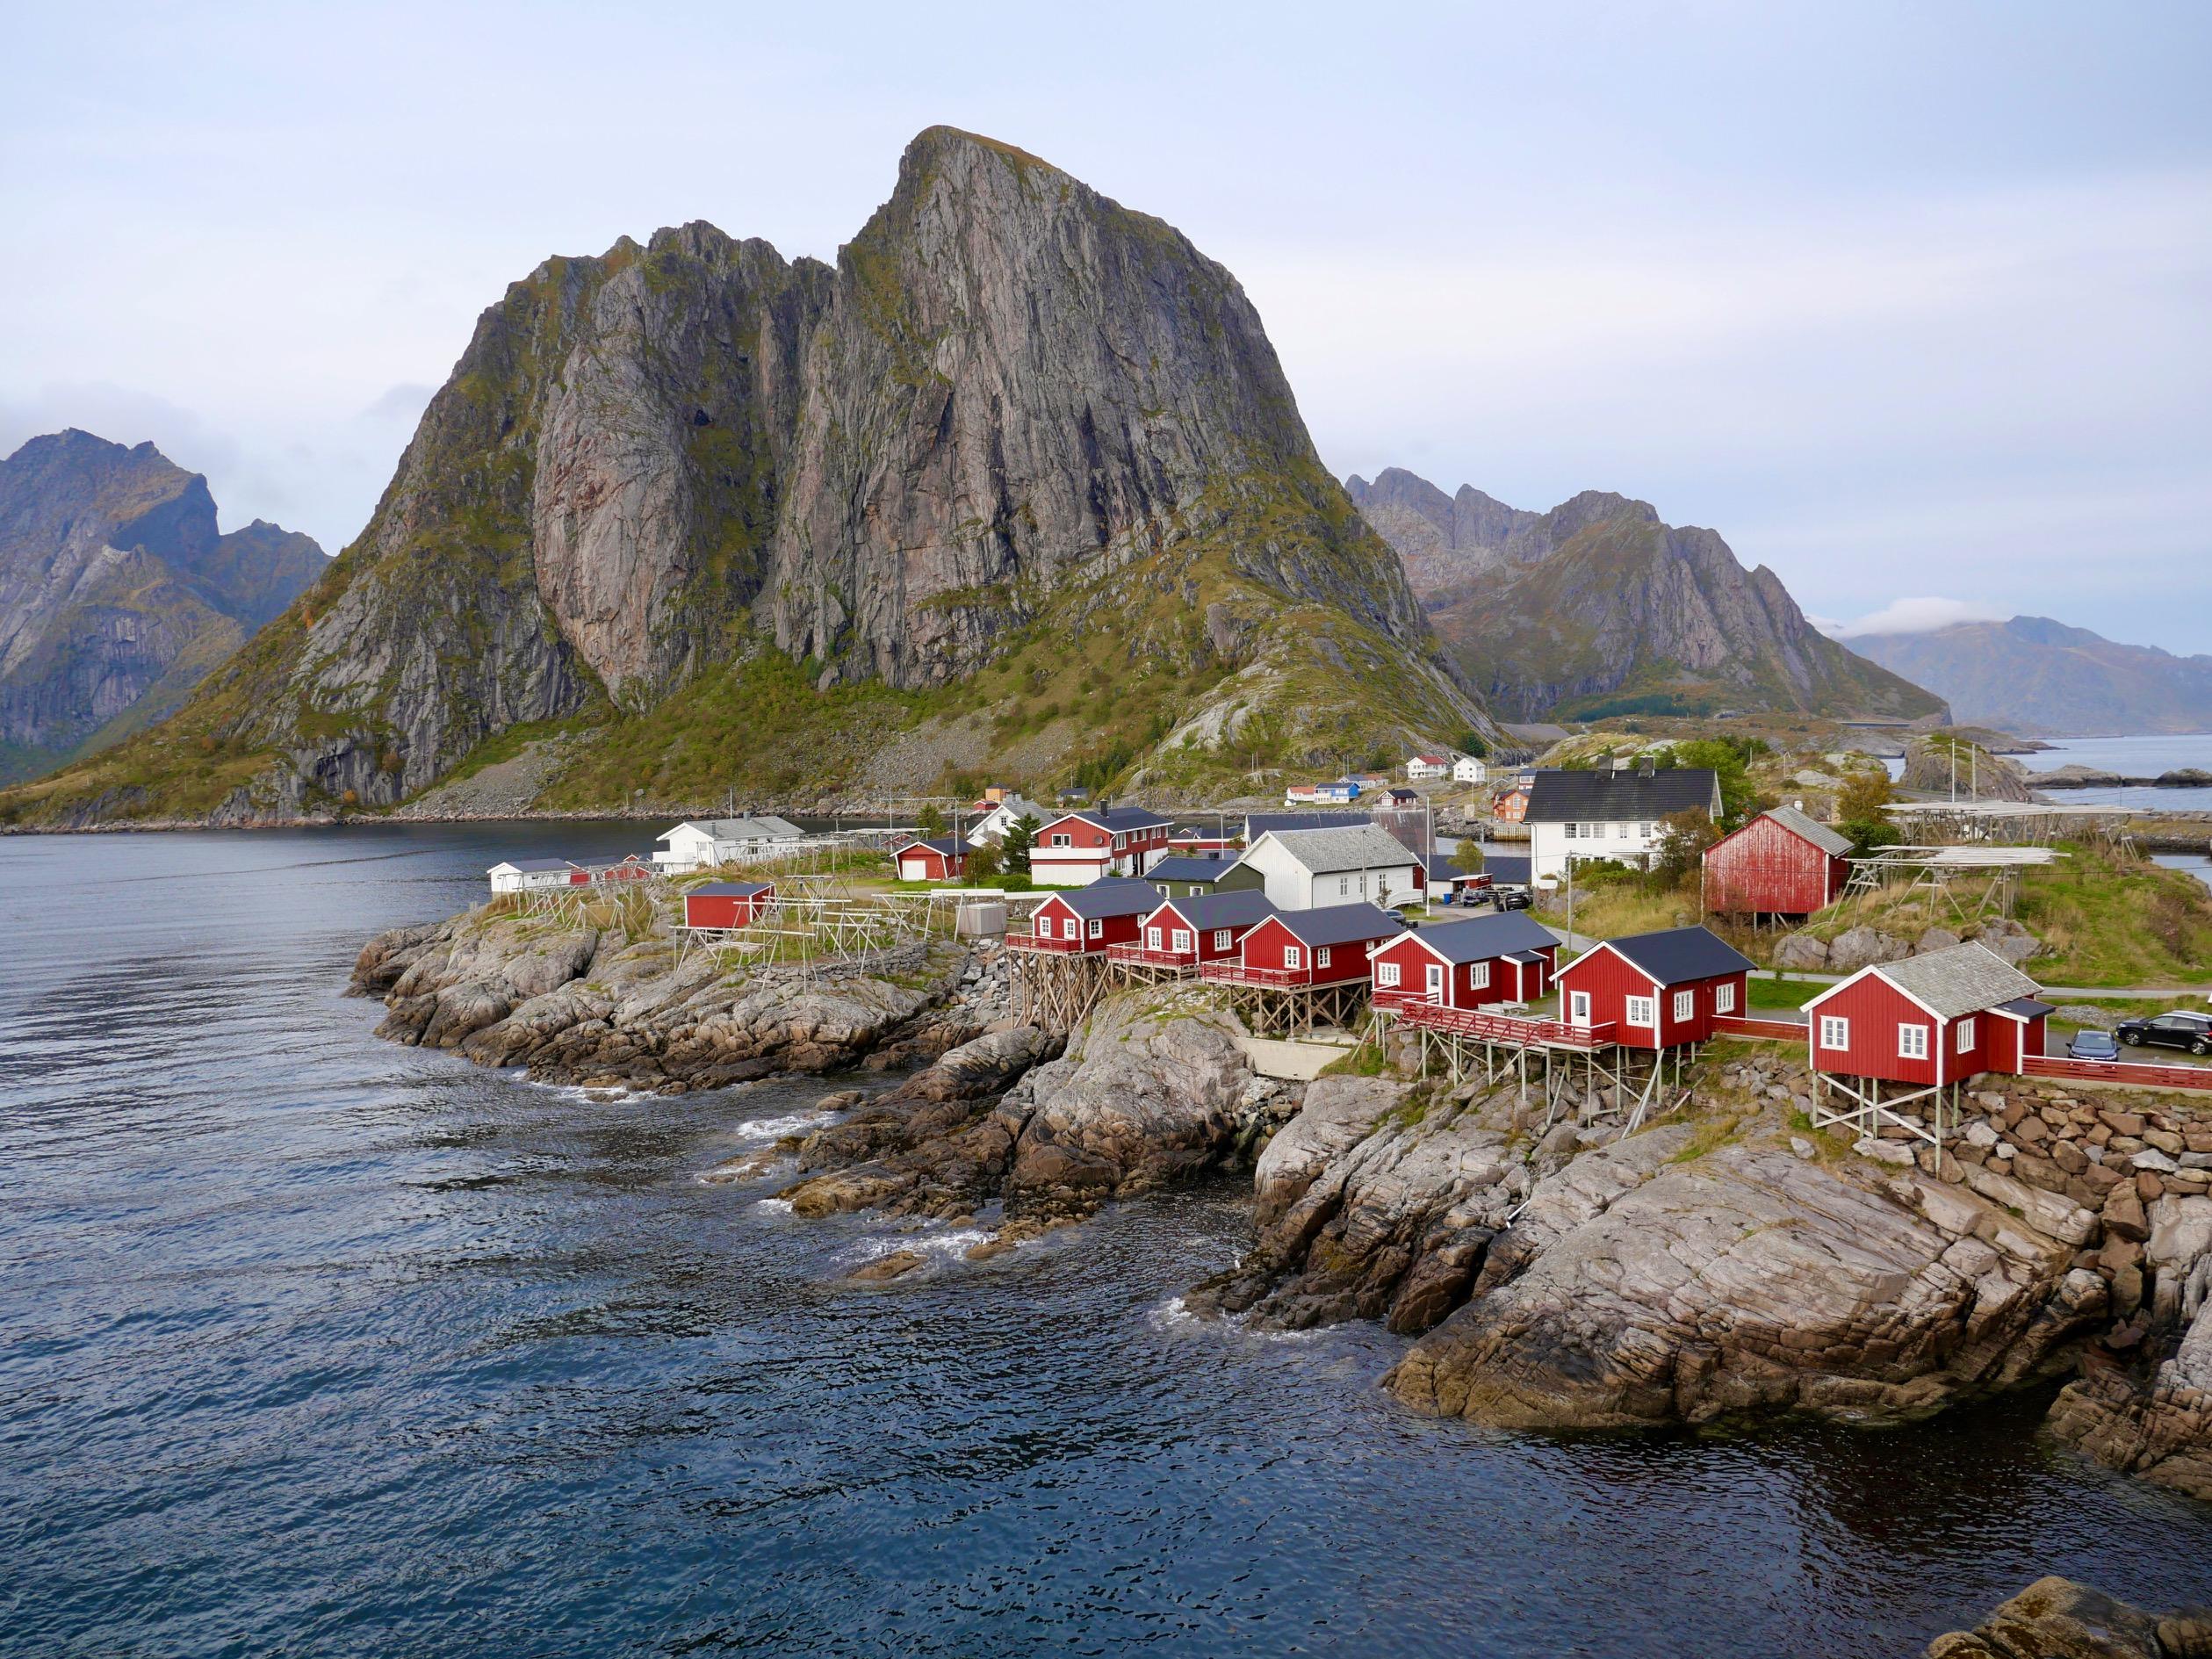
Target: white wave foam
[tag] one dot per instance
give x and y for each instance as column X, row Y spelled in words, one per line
column 774, row 1129
column 774, row 1206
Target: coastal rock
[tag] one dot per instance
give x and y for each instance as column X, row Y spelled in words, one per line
column 1801, row 952
column 1857, row 947
column 2157, row 1425
column 1748, row 1281
column 2057, row 1618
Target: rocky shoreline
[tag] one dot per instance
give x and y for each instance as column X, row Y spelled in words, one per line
column 1727, row 1264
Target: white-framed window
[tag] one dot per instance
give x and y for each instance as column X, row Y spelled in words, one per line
column 1293, row 957
column 1044, row 927
column 1097, row 928
column 1386, row 974
column 1966, row 1036
column 1121, row 841
column 1570, row 828
column 1912, row 1042
column 1152, row 938
column 1685, row 1005
column 1724, row 997
column 1061, row 840
column 1835, row 1031
column 1649, row 830
column 1182, row 939
column 1320, row 957
column 1344, row 886
column 1578, row 1007
column 1622, row 832
column 1220, row 939
column 1641, row 1011
column 1478, row 976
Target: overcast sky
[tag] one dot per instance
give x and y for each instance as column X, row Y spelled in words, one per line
column 1911, row 303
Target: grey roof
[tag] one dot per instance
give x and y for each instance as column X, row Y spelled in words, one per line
column 539, row 863
column 1960, row 980
column 1259, row 824
column 1118, row 819
column 725, row 890
column 1189, row 869
column 1116, row 896
column 1323, row 852
column 1236, row 909
column 1676, row 955
column 2026, row 1007
column 1561, row 797
column 1339, row 924
column 951, row 846
column 1480, row 938
column 1811, row 829
column 765, row 827
column 1508, row 869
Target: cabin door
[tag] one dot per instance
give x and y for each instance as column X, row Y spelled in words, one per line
column 1435, row 983
column 1578, row 1008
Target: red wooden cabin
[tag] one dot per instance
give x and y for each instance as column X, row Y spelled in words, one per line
column 1322, row 947
column 718, row 904
column 941, row 858
column 635, row 867
column 1782, row 863
column 1658, row 990
column 1927, row 1020
column 1198, row 927
column 1508, row 957
column 1107, row 912
column 1096, row 843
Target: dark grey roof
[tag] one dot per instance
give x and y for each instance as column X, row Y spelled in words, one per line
column 1116, row 896
column 2026, row 1007
column 1339, row 924
column 1189, row 869
column 1234, row 909
column 1675, row 955
column 1118, row 819
column 725, row 890
column 1959, row 979
column 1810, row 829
column 1511, row 869
column 951, row 846
column 1258, row 823
column 1605, row 797
column 1480, row 938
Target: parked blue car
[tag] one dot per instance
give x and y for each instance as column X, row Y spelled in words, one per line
column 2092, row 1045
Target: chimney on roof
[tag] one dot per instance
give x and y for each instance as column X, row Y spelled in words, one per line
column 1644, row 767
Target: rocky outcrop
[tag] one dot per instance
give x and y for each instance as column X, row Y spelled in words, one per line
column 1856, row 948
column 1597, row 603
column 576, row 1004
column 1147, row 1094
column 117, row 591
column 1012, row 404
column 1942, row 763
column 2057, row 1618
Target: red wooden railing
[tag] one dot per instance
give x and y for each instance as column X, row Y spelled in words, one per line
column 1737, row 1025
column 2150, row 1075
column 1232, row 973
column 1505, row 1028
column 1030, row 941
column 1151, row 958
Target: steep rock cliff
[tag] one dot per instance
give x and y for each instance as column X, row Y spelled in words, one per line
column 1017, row 423
column 1598, row 606
column 117, row 591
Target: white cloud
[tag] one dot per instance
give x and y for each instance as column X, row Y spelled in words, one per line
column 1916, row 616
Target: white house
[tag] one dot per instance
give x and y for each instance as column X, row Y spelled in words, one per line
column 534, row 875
column 1467, row 769
column 1002, row 816
column 724, row 841
column 1305, row 869
column 1429, row 766
column 1610, row 814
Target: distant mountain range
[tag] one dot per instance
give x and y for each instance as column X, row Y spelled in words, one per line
column 1598, row 607
column 2043, row 679
column 118, row 592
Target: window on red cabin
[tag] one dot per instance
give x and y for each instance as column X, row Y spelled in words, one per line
column 1723, row 998
column 1320, row 957
column 1912, row 1042
column 1293, row 956
column 1835, row 1031
column 1685, row 1005
column 1479, row 975
column 1965, row 1036
column 1386, row 974
column 1641, row 1011
column 1098, row 929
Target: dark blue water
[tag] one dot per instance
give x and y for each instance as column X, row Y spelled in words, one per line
column 310, row 1343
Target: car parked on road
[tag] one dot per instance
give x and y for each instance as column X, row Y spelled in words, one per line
column 2092, row 1045
column 2178, row 1029
column 1508, row 897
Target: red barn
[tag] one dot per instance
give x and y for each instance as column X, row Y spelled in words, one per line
column 1508, row 957
column 1927, row 1020
column 1322, row 947
column 1200, row 928
column 1080, row 847
column 1782, row 863
column 1657, row 990
column 1107, row 912
column 941, row 858
column 719, row 905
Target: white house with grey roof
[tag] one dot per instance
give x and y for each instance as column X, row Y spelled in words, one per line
column 709, row 842
column 1307, row 868
column 1610, row 813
